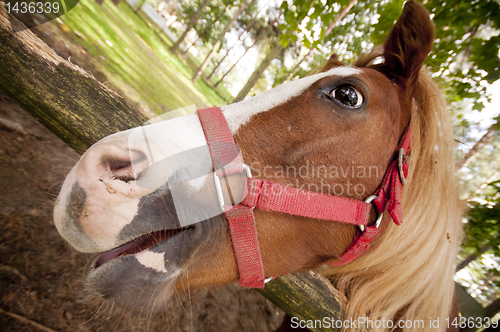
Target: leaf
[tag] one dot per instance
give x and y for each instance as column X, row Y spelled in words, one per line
column 479, row 106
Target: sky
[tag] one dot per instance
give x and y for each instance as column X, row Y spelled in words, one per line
column 486, row 116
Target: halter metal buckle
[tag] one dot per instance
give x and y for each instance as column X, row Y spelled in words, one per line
column 379, row 218
column 218, row 186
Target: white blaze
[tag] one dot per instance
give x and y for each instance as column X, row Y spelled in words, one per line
column 240, row 113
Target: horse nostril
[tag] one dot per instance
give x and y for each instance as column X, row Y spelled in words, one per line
column 116, row 165
column 122, row 170
column 123, row 167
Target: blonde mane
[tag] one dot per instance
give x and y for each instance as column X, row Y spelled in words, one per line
column 408, row 274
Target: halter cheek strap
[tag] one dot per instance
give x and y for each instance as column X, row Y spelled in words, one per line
column 387, row 195
column 271, row 196
column 240, row 218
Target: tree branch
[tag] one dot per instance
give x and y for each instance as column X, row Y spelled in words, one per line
column 472, row 257
column 469, row 156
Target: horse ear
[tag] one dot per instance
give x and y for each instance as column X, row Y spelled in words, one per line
column 332, row 63
column 408, row 45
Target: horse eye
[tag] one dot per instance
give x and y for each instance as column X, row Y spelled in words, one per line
column 348, row 95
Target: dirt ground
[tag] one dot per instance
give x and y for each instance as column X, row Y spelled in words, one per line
column 41, row 275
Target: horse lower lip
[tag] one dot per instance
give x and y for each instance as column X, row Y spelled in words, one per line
column 142, row 243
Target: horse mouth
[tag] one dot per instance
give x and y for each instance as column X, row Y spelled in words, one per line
column 142, row 243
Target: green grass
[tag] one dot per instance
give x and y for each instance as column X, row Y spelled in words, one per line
column 135, row 59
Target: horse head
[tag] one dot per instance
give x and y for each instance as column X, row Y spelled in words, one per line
column 334, row 133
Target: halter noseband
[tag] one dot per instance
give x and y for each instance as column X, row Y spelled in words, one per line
column 271, row 196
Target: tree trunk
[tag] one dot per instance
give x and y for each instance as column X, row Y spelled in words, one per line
column 63, row 97
column 188, row 48
column 80, row 111
column 99, row 2
column 490, row 329
column 257, row 74
column 218, row 42
column 116, row 2
column 490, row 311
column 477, row 147
column 189, row 26
column 328, row 30
column 241, row 57
column 472, row 257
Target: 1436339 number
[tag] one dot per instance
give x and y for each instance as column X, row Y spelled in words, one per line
column 22, row 7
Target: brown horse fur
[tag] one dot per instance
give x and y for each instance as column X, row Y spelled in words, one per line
column 407, row 274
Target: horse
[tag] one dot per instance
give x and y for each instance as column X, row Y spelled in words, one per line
column 380, row 126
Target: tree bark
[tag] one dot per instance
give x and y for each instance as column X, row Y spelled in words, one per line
column 305, row 295
column 80, row 111
column 63, row 97
column 189, row 26
column 257, row 74
column 488, row 136
column 218, row 42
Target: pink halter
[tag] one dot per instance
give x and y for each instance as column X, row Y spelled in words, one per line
column 271, row 196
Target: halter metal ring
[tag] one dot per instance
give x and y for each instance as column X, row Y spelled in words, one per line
column 218, row 186
column 379, row 218
column 400, row 165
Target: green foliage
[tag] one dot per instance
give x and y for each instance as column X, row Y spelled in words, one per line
column 483, row 279
column 247, row 16
column 350, row 37
column 389, row 13
column 347, row 38
column 324, row 13
column 466, row 48
column 481, row 55
column 484, row 222
column 464, row 58
column 483, row 167
column 212, row 19
column 482, row 231
column 264, row 28
column 308, row 14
